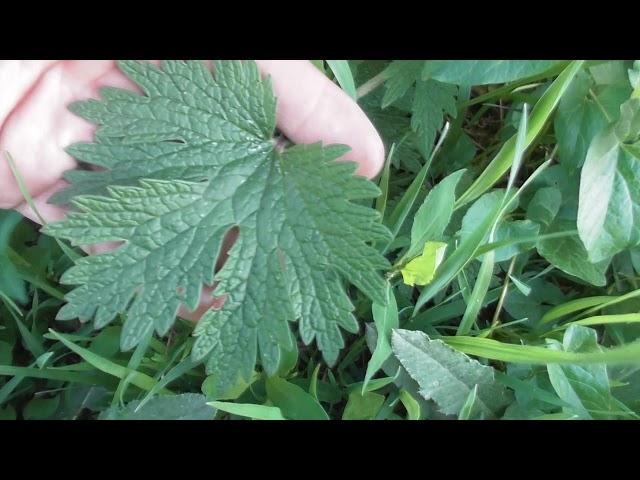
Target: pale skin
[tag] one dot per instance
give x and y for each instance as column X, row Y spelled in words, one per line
column 35, row 124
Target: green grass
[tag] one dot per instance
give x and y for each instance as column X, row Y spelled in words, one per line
column 516, row 291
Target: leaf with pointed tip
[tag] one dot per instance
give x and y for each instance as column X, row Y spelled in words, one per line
column 448, row 376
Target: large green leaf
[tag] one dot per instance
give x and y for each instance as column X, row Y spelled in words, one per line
column 299, row 234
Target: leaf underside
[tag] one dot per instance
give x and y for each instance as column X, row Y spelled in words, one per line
column 183, row 164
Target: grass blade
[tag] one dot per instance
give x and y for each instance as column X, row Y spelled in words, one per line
column 51, row 374
column 342, row 72
column 478, row 294
column 381, row 201
column 573, row 306
column 536, row 355
column 400, row 213
column 140, row 380
column 483, row 280
column 250, row 410
column 601, row 320
column 453, row 264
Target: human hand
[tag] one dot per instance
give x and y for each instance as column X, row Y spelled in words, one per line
column 35, row 125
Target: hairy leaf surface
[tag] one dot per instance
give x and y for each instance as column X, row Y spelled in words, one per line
column 199, row 149
column 446, row 375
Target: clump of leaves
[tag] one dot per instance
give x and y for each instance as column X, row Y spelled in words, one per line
column 510, row 297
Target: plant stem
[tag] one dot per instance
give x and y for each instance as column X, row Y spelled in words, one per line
column 503, row 294
column 371, row 85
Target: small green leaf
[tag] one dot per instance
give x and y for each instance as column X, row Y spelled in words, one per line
column 421, row 270
column 411, row 405
column 107, row 342
column 569, row 254
column 363, row 407
column 434, row 214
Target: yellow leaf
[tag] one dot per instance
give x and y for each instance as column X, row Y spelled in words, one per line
column 420, row 270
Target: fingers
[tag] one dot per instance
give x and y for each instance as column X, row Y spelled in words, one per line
column 311, row 108
column 39, row 126
column 17, row 77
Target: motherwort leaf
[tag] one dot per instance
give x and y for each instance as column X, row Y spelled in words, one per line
column 199, row 149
